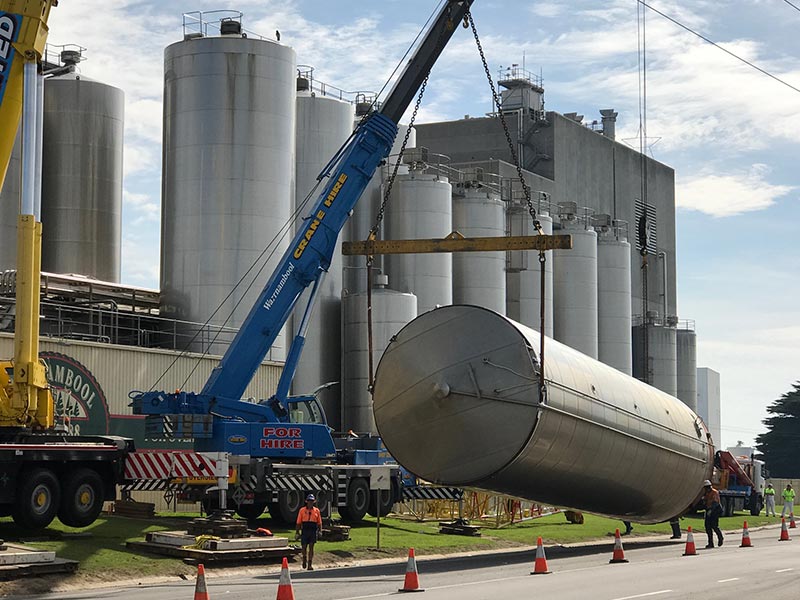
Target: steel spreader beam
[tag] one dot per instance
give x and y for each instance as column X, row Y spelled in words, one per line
column 458, row 243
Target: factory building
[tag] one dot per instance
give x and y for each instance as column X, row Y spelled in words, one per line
column 708, row 401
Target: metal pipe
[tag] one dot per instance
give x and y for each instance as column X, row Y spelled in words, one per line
column 29, row 127
column 37, row 193
column 662, row 256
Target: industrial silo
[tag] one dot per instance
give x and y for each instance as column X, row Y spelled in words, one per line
column 365, row 212
column 82, row 176
column 527, row 284
column 391, row 311
column 613, row 295
column 421, row 207
column 575, row 283
column 9, row 209
column 228, row 175
column 479, row 278
column 323, row 125
column 655, row 359
column 687, row 363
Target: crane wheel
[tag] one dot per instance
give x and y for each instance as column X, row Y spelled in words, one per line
column 251, row 511
column 289, row 504
column 81, row 498
column 357, row 500
column 37, row 500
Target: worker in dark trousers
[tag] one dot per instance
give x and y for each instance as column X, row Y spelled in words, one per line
column 713, row 513
column 676, row 528
column 309, row 527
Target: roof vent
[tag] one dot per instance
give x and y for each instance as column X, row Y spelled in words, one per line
column 230, row 27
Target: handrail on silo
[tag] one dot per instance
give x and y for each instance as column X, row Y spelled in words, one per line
column 196, row 23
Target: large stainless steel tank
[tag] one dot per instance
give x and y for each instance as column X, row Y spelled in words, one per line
column 82, row 177
column 614, row 345
column 421, row 207
column 661, row 361
column 9, row 209
column 479, row 277
column 686, row 339
column 391, row 311
column 366, row 211
column 575, row 284
column 228, row 180
column 457, row 402
column 323, row 125
column 529, row 280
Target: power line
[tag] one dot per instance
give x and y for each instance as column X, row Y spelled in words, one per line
column 713, row 43
column 794, row 6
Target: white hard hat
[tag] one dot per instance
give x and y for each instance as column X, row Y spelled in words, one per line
column 706, row 483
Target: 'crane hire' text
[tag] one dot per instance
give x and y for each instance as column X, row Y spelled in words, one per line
column 282, row 438
column 314, row 225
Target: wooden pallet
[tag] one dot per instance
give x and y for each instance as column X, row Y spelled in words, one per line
column 59, row 565
column 136, row 510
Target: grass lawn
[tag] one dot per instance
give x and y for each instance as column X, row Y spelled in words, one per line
column 103, row 556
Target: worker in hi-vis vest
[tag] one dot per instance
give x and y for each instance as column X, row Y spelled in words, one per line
column 769, row 499
column 788, row 500
column 309, row 527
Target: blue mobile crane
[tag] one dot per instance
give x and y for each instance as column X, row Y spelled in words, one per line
column 282, row 447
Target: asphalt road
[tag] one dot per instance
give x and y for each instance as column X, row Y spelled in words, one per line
column 769, row 570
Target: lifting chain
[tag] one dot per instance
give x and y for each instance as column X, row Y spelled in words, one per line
column 527, row 191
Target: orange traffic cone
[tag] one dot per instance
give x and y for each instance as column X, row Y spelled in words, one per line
column 200, row 591
column 411, row 583
column 791, row 521
column 540, row 564
column 745, row 537
column 285, row 591
column 784, row 532
column 690, row 547
column 619, row 553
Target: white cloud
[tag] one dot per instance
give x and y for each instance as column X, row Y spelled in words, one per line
column 140, row 261
column 144, row 209
column 138, row 158
column 723, row 195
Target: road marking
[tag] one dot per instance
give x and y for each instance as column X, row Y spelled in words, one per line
column 644, row 595
column 784, row 570
column 727, row 580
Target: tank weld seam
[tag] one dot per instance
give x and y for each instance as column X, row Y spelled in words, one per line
column 624, row 411
column 623, row 433
column 496, row 398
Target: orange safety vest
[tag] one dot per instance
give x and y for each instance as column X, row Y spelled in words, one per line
column 309, row 515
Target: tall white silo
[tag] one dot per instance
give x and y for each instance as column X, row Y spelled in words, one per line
column 525, row 282
column 82, row 177
column 323, row 125
column 658, row 364
column 391, row 311
column 479, row 278
column 613, row 295
column 421, row 206
column 228, row 174
column 365, row 213
column 575, row 283
column 9, row 208
column 687, row 364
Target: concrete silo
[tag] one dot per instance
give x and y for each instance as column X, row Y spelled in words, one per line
column 421, row 206
column 479, row 278
column 656, row 356
column 228, row 176
column 9, row 209
column 686, row 340
column 575, row 283
column 323, row 125
column 613, row 295
column 82, row 176
column 391, row 311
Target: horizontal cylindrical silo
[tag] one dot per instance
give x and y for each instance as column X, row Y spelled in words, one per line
column 228, row 180
column 421, row 206
column 323, row 125
column 82, row 177
column 575, row 284
column 391, row 311
column 687, row 364
column 457, row 402
column 479, row 278
column 614, row 299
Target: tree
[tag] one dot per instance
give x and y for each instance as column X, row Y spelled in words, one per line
column 780, row 445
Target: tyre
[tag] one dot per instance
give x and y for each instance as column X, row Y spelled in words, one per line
column 727, row 507
column 81, row 497
column 756, row 505
column 323, row 504
column 357, row 500
column 289, row 503
column 37, row 500
column 251, row 511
